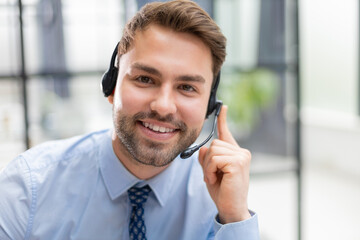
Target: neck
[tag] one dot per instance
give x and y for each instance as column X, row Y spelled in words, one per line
column 139, row 170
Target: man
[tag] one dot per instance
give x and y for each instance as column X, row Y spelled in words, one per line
column 129, row 183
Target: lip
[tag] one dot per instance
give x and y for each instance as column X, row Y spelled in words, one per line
column 155, row 135
column 160, row 124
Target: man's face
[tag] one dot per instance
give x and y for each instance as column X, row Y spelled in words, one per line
column 161, row 95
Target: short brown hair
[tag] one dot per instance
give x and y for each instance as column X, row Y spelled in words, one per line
column 180, row 16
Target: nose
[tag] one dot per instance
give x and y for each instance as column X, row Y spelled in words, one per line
column 163, row 102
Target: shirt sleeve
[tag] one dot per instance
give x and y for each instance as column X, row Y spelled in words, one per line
column 15, row 200
column 247, row 229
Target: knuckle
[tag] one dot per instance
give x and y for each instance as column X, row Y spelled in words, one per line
column 240, row 164
column 213, row 159
column 215, row 142
column 216, row 159
column 247, row 153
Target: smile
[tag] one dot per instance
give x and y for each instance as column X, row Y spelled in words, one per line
column 157, row 128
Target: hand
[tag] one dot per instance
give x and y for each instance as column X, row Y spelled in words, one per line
column 226, row 169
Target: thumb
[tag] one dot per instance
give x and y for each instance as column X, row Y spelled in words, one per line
column 224, row 133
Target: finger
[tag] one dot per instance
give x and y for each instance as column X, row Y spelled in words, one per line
column 202, row 153
column 239, row 154
column 219, row 151
column 223, row 130
column 214, row 167
column 223, row 144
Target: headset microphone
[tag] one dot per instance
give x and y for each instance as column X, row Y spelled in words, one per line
column 190, row 151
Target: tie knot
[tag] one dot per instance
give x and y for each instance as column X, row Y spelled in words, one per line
column 138, row 196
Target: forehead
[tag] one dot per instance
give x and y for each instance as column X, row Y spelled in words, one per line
column 167, row 49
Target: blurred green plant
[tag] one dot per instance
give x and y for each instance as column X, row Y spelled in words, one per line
column 247, row 94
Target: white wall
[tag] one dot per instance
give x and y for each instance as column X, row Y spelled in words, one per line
column 329, row 74
column 328, row 38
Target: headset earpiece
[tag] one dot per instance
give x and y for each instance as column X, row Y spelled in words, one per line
column 109, row 78
column 213, row 102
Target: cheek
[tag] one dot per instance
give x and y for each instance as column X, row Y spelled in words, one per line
column 131, row 101
column 193, row 112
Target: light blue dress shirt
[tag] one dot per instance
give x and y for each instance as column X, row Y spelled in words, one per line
column 77, row 189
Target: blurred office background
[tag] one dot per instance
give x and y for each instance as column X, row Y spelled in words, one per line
column 291, row 80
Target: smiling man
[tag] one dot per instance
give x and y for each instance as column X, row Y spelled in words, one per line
column 162, row 79
column 129, row 182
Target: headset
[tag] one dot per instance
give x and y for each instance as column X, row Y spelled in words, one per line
column 108, row 85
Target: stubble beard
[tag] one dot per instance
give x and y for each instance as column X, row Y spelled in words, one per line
column 148, row 152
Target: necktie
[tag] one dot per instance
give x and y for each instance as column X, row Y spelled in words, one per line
column 138, row 197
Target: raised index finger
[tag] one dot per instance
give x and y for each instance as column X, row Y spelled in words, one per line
column 224, row 133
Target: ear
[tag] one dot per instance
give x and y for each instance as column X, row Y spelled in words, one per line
column 111, row 98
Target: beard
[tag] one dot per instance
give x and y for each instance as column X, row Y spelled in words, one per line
column 149, row 152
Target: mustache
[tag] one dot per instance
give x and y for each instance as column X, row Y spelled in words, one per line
column 166, row 119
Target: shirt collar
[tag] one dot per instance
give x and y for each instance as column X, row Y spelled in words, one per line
column 118, row 179
column 162, row 183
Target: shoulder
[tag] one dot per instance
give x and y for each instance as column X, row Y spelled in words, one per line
column 14, row 186
column 42, row 166
column 62, row 151
column 53, row 158
column 40, row 174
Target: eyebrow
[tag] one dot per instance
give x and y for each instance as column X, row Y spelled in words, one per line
column 191, row 78
column 154, row 71
column 147, row 69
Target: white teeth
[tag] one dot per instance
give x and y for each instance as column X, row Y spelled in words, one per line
column 157, row 128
